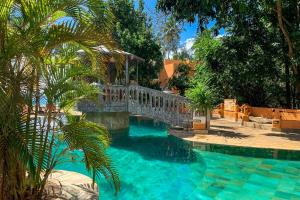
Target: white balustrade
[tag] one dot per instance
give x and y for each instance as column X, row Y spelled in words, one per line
column 138, row 100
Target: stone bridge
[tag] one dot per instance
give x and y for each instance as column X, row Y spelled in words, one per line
column 137, row 100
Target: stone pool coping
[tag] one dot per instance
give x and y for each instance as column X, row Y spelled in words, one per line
column 64, row 184
column 224, row 132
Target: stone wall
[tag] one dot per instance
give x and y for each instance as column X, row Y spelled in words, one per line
column 282, row 119
column 114, row 121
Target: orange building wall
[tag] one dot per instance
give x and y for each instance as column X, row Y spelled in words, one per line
column 231, row 115
column 170, row 67
column 286, row 114
column 262, row 112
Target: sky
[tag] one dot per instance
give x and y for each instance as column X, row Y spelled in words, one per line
column 190, row 30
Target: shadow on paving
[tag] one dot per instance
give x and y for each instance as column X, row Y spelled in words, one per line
column 289, row 136
column 222, row 127
column 169, row 148
column 229, row 134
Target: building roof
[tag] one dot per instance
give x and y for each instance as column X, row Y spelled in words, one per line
column 104, row 50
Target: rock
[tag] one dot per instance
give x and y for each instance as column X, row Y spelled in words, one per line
column 70, row 185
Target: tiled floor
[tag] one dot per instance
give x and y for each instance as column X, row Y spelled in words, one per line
column 235, row 177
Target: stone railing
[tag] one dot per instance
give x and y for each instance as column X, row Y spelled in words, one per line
column 168, row 108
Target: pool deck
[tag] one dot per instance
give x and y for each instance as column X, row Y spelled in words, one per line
column 226, row 132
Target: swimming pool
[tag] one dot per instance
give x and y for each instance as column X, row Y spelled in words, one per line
column 154, row 165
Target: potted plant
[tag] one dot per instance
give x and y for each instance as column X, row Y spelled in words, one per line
column 201, row 101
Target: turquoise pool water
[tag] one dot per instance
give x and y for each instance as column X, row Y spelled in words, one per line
column 154, row 166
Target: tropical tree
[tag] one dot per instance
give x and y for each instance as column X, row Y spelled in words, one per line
column 288, row 15
column 201, row 96
column 39, row 41
column 170, row 36
column 183, row 55
column 239, row 68
column 134, row 33
column 262, row 37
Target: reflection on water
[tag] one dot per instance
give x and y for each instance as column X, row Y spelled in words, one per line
column 153, row 164
column 155, row 147
column 145, row 139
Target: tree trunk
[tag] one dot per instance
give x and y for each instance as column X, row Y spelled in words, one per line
column 287, row 85
column 289, row 42
column 287, row 64
column 285, row 33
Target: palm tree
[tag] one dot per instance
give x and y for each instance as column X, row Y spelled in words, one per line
column 39, row 41
column 202, row 97
column 171, row 35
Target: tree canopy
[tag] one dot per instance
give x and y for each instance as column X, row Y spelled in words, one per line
column 257, row 60
column 133, row 32
column 170, row 36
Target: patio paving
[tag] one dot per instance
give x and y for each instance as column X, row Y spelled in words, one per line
column 225, row 132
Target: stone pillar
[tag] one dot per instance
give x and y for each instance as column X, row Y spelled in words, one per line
column 158, row 107
column 164, row 104
column 246, row 112
column 126, row 72
column 222, row 110
column 236, row 112
column 150, row 102
column 276, row 121
column 208, row 113
column 200, row 121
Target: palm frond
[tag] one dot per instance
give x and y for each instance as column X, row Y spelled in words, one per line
column 93, row 140
column 39, row 43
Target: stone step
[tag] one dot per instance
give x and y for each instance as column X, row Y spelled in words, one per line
column 258, row 125
column 260, row 120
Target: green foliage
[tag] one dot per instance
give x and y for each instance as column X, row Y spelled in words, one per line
column 205, row 45
column 183, row 55
column 39, row 41
column 93, row 140
column 180, row 78
column 201, row 96
column 239, row 68
column 252, row 62
column 133, row 32
column 170, row 36
column 191, row 11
